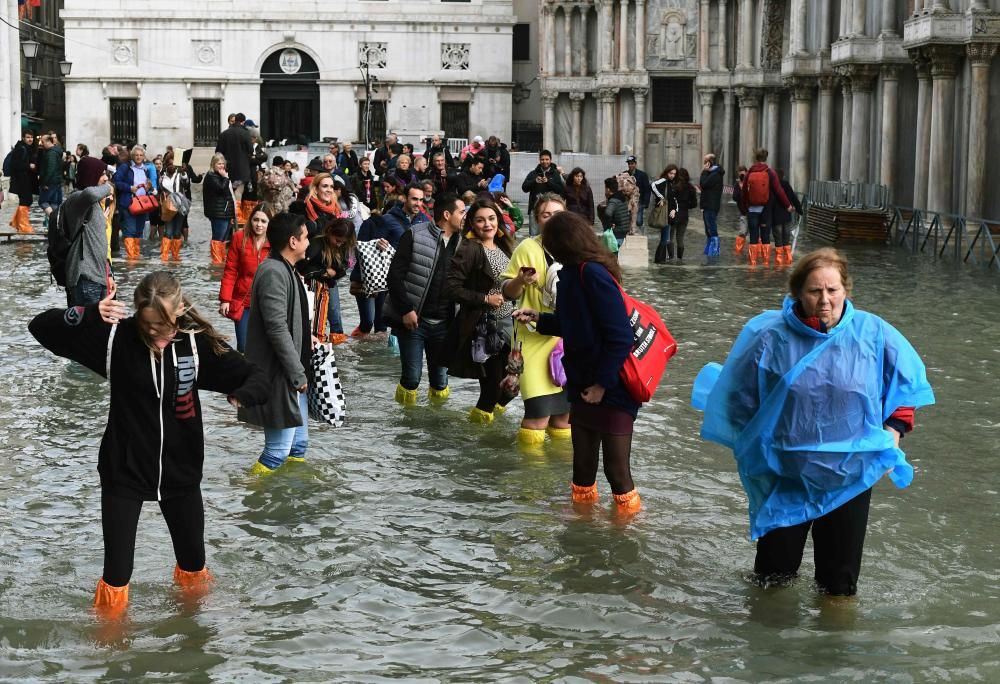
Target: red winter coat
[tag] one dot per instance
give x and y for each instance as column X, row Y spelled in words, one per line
column 241, row 265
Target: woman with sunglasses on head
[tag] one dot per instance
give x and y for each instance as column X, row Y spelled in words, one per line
column 153, row 447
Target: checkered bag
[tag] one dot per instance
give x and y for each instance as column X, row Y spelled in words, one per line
column 326, row 396
column 374, row 264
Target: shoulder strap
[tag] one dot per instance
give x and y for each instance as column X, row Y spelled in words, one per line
column 194, row 353
column 107, row 358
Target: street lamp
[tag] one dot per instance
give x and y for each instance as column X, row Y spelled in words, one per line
column 30, row 48
column 35, row 83
column 65, row 67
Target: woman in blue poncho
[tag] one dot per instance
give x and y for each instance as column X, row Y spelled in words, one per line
column 813, row 400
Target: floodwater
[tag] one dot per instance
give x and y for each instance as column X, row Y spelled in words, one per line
column 412, row 545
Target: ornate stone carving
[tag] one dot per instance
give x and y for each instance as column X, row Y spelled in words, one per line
column 640, row 94
column 749, row 98
column 800, row 89
column 862, row 77
column 981, row 54
column 123, row 52
column 827, row 84
column 576, row 100
column 944, row 61
column 373, row 55
column 706, row 96
column 549, row 98
column 455, row 56
column 607, row 95
column 673, row 47
column 207, row 51
column 290, row 61
column 773, row 32
column 890, row 72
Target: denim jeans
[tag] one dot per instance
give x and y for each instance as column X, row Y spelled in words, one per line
column 133, row 226
column 370, row 309
column 174, row 228
column 642, row 214
column 51, row 196
column 220, row 229
column 333, row 310
column 711, row 217
column 280, row 443
column 427, row 339
column 758, row 229
column 665, row 234
column 241, row 330
column 86, row 292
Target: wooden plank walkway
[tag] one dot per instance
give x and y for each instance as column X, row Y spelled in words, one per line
column 14, row 236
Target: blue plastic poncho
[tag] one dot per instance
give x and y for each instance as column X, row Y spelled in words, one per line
column 803, row 411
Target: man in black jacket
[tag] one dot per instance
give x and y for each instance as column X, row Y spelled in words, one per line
column 445, row 180
column 711, row 201
column 21, row 181
column 236, row 145
column 438, row 145
column 544, row 178
column 497, row 160
column 472, row 179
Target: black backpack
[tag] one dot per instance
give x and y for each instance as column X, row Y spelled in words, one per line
column 60, row 243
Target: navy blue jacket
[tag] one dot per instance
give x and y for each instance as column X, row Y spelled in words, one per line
column 591, row 318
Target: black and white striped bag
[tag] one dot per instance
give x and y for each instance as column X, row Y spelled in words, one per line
column 374, row 264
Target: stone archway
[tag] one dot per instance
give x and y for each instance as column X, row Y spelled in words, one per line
column 289, row 96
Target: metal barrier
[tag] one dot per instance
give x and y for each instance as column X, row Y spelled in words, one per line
column 456, row 145
column 972, row 240
column 850, row 195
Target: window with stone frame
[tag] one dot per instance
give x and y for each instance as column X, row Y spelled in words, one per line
column 672, row 100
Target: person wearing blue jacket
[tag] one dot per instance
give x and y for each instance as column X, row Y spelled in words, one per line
column 591, row 318
column 137, row 178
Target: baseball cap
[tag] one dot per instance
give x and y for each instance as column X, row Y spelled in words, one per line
column 629, row 159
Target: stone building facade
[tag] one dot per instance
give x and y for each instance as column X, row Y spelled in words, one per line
column 168, row 73
column 895, row 92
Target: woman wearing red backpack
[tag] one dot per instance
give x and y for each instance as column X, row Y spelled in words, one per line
column 591, row 318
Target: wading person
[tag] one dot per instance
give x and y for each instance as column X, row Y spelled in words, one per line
column 761, row 190
column 813, row 400
column 247, row 249
column 88, row 273
column 21, row 181
column 134, row 178
column 153, row 445
column 591, row 318
column 220, row 206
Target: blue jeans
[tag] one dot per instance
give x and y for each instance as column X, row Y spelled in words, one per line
column 711, row 217
column 220, row 229
column 427, row 339
column 86, row 292
column 333, row 309
column 665, row 234
column 241, row 330
column 280, row 443
column 370, row 309
column 132, row 226
column 758, row 229
column 50, row 197
column 174, row 229
column 642, row 213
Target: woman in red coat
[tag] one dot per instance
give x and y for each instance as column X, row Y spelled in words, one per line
column 246, row 250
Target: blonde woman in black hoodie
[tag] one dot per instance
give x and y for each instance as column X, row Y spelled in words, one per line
column 153, row 447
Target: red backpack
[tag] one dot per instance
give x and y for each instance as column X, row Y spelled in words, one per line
column 758, row 188
column 652, row 347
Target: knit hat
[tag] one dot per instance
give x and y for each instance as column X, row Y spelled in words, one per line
column 89, row 171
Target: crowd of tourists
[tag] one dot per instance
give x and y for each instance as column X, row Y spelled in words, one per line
column 429, row 245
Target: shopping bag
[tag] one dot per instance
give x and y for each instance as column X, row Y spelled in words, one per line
column 610, row 241
column 326, row 396
column 374, row 264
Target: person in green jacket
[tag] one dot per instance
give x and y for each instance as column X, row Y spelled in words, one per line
column 50, row 172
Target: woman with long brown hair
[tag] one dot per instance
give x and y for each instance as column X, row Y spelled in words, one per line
column 591, row 318
column 326, row 262
column 663, row 188
column 474, row 281
column 579, row 195
column 247, row 249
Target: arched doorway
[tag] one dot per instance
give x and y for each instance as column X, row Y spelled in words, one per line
column 289, row 96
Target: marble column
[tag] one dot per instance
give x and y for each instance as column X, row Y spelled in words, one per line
column 576, row 106
column 9, row 88
column 639, row 147
column 824, row 26
column 944, row 65
column 979, row 6
column 744, row 38
column 549, row 122
column 845, row 18
column 772, row 119
column 703, row 35
column 568, row 40
column 827, row 85
column 727, row 133
column 888, row 19
column 582, row 42
column 605, row 30
column 640, row 34
column 940, row 6
column 723, row 33
column 845, row 137
column 922, row 154
column 890, row 127
column 918, row 7
column 622, row 35
column 706, row 97
column 550, row 45
column 797, row 40
column 749, row 99
column 607, row 97
column 980, row 55
column 802, row 94
column 862, row 82
column 858, row 18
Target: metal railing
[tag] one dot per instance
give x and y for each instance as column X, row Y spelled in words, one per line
column 850, row 195
column 973, row 241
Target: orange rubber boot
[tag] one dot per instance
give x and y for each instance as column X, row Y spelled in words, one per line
column 766, row 253
column 218, row 251
column 628, row 502
column 779, row 256
column 584, row 495
column 175, row 248
column 20, row 221
column 133, row 247
column 110, row 602
column 164, row 249
column 192, row 585
column 788, row 255
column 753, row 251
column 741, row 241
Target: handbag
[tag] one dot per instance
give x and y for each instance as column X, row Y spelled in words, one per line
column 168, row 210
column 374, row 264
column 660, row 216
column 610, row 241
column 142, row 204
column 652, row 347
column 326, row 395
column 556, row 369
column 488, row 341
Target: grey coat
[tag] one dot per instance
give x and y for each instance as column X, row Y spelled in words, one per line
column 275, row 342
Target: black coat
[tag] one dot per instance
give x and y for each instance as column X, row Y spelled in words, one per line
column 580, row 202
column 440, row 149
column 711, row 188
column 469, row 181
column 553, row 183
column 497, row 161
column 236, row 146
column 21, row 182
column 779, row 214
column 218, row 196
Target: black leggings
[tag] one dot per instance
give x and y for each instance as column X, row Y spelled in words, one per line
column 489, row 385
column 185, row 517
column 617, row 455
column 838, row 541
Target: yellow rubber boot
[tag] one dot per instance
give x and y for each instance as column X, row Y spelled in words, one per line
column 584, row 495
column 406, row 397
column 480, row 417
column 499, row 410
column 559, row 433
column 258, row 469
column 296, row 459
column 530, row 438
column 438, row 395
column 110, row 602
column 629, row 502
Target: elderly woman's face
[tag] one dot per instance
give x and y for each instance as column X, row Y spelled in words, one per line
column 823, row 295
